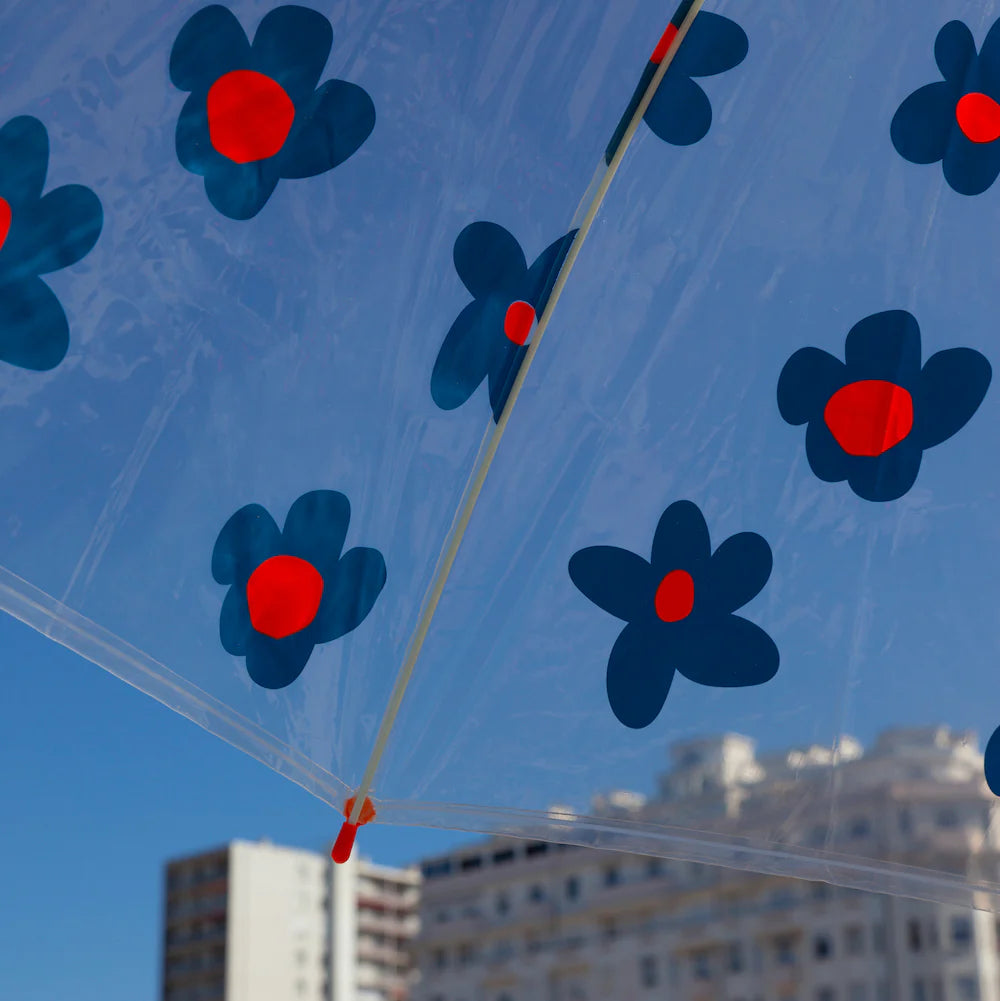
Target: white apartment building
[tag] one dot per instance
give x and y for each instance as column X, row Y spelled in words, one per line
column 515, row 920
column 257, row 922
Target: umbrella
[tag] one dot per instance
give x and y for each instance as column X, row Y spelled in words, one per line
column 351, row 412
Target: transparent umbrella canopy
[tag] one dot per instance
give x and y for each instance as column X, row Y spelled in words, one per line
column 454, row 405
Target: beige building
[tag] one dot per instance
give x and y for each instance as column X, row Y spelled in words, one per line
column 507, row 920
column 258, row 922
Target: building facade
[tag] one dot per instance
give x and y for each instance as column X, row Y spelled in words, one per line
column 258, row 922
column 507, row 920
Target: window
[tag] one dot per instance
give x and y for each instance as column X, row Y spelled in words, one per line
column 735, row 962
column 823, row 946
column 647, row 971
column 859, row 828
column 503, row 904
column 612, row 876
column 826, row 994
column 536, row 894
column 701, row 967
column 506, row 855
column 932, row 934
column 919, row 990
column 784, row 951
column 654, row 868
column 966, row 989
column 913, row 937
column 503, row 951
column 857, row 992
column 961, row 933
column 854, row 940
column 439, row 868
column 572, row 888
column 947, row 817
column 536, row 848
column 674, row 970
column 473, row 862
column 878, row 938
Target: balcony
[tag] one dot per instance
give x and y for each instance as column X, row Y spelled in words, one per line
column 196, row 939
column 176, row 976
column 405, row 899
column 388, row 952
column 407, row 927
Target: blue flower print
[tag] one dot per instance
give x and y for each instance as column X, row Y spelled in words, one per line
column 956, row 121
column 292, row 589
column 679, row 608
column 680, row 112
column 870, row 418
column 487, row 341
column 255, row 114
column 38, row 234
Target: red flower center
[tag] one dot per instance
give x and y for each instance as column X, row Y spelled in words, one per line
column 4, row 220
column 663, row 45
column 249, row 116
column 283, row 594
column 518, row 320
column 675, row 596
column 978, row 117
column 869, row 417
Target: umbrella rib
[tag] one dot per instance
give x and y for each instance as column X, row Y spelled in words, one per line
column 586, row 213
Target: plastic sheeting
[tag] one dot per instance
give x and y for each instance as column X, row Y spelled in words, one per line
column 217, row 362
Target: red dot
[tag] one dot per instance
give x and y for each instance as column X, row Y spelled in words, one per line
column 283, row 594
column 518, row 320
column 675, row 596
column 4, row 220
column 978, row 117
column 249, row 116
column 869, row 417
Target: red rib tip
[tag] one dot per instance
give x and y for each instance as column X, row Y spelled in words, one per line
column 344, row 844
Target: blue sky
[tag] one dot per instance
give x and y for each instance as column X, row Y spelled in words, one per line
column 99, row 786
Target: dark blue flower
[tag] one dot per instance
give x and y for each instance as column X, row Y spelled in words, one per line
column 991, row 762
column 680, row 112
column 38, row 234
column 255, row 114
column 292, row 589
column 956, row 120
column 871, row 416
column 678, row 606
column 487, row 341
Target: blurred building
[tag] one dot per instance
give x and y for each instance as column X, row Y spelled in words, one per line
column 508, row 920
column 257, row 922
